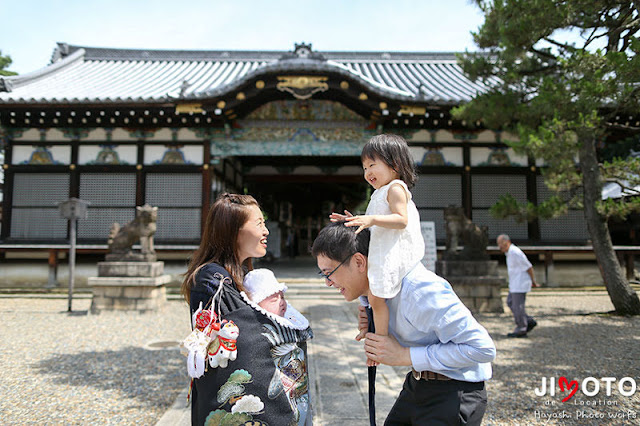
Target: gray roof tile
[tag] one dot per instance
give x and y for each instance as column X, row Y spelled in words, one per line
column 99, row 75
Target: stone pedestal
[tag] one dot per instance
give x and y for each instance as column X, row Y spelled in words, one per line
column 129, row 286
column 476, row 282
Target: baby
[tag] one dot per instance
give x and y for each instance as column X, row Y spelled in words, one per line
column 262, row 287
column 263, row 291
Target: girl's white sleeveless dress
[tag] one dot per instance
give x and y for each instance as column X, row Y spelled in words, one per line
column 392, row 252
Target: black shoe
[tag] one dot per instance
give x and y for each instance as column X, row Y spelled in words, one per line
column 531, row 324
column 520, row 334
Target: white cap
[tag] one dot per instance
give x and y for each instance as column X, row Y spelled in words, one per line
column 261, row 283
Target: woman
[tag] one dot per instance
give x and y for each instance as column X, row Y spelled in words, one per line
column 268, row 381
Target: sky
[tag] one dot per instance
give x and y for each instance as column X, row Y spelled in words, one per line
column 30, row 29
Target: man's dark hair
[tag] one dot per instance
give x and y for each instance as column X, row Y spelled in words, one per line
column 337, row 241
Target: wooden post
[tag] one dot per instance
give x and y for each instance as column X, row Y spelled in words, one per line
column 53, row 269
column 549, row 270
column 72, row 259
column 630, row 264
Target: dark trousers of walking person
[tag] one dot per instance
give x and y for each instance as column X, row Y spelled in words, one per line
column 515, row 302
column 438, row 402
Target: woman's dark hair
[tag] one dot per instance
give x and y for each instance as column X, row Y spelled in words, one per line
column 337, row 241
column 394, row 151
column 219, row 243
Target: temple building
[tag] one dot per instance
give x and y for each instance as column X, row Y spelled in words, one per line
column 174, row 128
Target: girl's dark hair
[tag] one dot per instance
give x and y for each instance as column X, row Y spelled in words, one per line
column 394, row 151
column 219, row 243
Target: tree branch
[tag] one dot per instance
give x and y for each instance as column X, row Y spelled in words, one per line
column 543, row 53
column 590, row 38
column 563, row 45
column 626, row 40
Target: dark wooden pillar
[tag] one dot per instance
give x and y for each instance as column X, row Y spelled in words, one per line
column 532, row 196
column 7, row 191
column 206, row 184
column 466, row 182
column 140, row 175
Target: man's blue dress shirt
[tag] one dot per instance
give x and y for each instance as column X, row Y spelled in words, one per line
column 444, row 337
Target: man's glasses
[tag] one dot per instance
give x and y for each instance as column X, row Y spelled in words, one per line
column 328, row 276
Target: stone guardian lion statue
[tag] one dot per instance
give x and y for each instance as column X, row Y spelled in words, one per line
column 142, row 228
column 460, row 228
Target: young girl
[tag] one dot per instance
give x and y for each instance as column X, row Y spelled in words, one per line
column 396, row 244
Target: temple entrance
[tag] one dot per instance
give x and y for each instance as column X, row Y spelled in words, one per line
column 297, row 207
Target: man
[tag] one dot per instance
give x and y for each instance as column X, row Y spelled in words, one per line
column 521, row 278
column 429, row 330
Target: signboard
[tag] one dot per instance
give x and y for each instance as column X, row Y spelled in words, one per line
column 430, row 252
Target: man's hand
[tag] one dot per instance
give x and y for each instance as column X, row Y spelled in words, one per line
column 386, row 350
column 337, row 217
column 535, row 284
column 363, row 323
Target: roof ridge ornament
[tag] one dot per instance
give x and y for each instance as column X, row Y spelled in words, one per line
column 5, row 85
column 303, row 51
column 60, row 52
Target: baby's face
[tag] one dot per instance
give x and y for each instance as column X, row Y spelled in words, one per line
column 276, row 304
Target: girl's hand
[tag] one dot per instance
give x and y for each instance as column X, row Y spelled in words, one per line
column 337, row 217
column 361, row 221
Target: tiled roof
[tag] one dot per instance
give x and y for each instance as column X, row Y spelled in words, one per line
column 100, row 75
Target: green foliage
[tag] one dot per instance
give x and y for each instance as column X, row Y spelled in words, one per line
column 5, row 61
column 620, row 149
column 556, row 71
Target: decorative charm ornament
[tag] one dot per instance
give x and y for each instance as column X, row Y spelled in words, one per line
column 302, row 87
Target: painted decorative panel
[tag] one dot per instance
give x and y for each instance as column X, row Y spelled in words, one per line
column 173, row 154
column 436, row 156
column 26, row 135
column 304, row 110
column 302, row 134
column 233, row 148
column 41, row 155
column 107, row 154
column 499, row 156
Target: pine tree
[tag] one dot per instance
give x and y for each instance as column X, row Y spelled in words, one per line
column 565, row 77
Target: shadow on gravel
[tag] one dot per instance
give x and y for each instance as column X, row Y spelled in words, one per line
column 577, row 345
column 143, row 377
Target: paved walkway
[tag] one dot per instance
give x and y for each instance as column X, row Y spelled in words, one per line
column 337, row 369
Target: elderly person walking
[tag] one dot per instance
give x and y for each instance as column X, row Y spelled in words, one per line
column 521, row 279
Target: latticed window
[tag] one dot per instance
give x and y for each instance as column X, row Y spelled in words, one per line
column 569, row 227
column 486, row 190
column 34, row 213
column 432, row 194
column 178, row 197
column 113, row 199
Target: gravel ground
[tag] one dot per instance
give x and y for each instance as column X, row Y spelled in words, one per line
column 61, row 368
column 575, row 338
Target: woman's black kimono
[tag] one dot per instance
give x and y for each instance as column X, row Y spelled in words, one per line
column 271, row 364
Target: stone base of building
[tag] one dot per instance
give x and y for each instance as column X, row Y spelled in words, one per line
column 476, row 283
column 129, row 286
